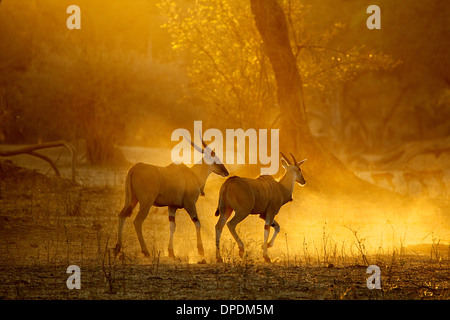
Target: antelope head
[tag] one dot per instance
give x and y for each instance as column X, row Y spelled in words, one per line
column 293, row 167
column 210, row 158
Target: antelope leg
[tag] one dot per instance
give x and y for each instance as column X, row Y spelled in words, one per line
column 172, row 228
column 266, row 236
column 276, row 228
column 219, row 227
column 138, row 221
column 192, row 210
column 119, row 235
column 238, row 217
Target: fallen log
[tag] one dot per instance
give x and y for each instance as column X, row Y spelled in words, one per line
column 30, row 150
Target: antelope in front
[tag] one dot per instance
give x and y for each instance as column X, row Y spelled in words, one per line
column 263, row 196
column 175, row 186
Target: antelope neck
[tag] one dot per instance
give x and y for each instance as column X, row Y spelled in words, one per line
column 287, row 183
column 201, row 172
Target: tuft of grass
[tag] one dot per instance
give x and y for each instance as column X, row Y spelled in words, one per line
column 360, row 246
column 108, row 265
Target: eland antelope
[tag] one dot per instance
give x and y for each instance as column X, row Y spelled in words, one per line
column 175, row 186
column 263, row 196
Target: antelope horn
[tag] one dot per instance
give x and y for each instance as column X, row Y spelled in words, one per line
column 205, row 146
column 301, row 161
column 295, row 161
column 285, row 158
column 193, row 144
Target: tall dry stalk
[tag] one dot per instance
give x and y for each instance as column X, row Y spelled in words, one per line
column 360, row 245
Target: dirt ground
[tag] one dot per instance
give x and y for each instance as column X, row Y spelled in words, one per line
column 49, row 223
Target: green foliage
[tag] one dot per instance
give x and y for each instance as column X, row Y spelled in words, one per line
column 124, row 79
column 101, row 84
column 380, row 109
column 324, row 63
column 227, row 65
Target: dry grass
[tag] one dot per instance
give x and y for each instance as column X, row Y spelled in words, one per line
column 48, row 224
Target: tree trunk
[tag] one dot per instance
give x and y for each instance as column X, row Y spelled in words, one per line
column 271, row 24
column 295, row 136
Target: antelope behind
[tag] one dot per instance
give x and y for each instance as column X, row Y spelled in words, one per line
column 175, row 186
column 263, row 196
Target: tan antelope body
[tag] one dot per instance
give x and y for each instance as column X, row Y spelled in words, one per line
column 175, row 186
column 263, row 196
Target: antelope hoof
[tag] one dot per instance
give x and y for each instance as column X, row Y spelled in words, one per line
column 201, row 251
column 268, row 245
column 267, row 259
column 146, row 254
column 171, row 255
column 219, row 260
column 241, row 252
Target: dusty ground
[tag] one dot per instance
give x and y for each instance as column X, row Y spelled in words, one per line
column 48, row 223
column 413, row 280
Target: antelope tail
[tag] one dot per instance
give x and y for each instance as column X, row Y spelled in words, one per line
column 222, row 199
column 128, row 207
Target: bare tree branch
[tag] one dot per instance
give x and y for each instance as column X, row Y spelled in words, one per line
column 30, row 150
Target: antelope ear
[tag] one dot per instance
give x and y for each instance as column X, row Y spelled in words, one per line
column 284, row 163
column 301, row 162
